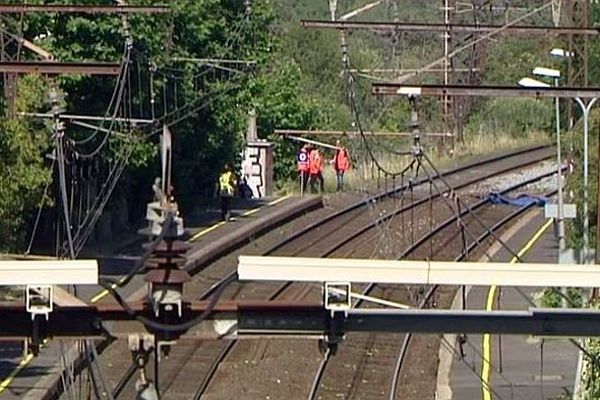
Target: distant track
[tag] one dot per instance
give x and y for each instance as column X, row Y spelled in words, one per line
column 333, row 235
column 319, row 240
column 386, row 348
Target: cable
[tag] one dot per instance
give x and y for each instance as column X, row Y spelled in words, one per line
column 140, row 263
column 121, row 87
column 471, row 367
column 117, row 170
column 168, row 327
column 350, row 85
column 63, row 188
column 483, row 225
column 85, row 230
column 39, row 212
column 122, row 70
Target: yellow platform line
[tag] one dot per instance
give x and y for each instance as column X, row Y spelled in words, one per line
column 245, row 214
column 6, row 382
column 486, row 341
column 22, row 364
column 102, row 294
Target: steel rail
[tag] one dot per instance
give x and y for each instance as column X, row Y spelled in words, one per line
column 120, row 386
column 230, row 344
column 399, row 189
column 404, row 348
column 298, row 234
column 414, row 247
column 392, row 214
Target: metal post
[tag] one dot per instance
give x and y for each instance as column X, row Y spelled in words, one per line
column 561, row 222
column 578, row 389
column 585, row 109
column 561, row 226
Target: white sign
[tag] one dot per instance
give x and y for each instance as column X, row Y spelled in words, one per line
column 569, row 211
column 257, row 168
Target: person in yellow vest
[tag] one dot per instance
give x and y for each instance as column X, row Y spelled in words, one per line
column 227, row 183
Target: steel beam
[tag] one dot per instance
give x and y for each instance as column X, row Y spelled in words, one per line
column 79, row 117
column 299, row 132
column 540, row 322
column 453, row 28
column 73, row 321
column 59, row 68
column 272, row 318
column 415, row 272
column 398, row 89
column 81, row 9
column 49, row 272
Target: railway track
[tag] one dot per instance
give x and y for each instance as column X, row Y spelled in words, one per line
column 335, row 235
column 391, row 349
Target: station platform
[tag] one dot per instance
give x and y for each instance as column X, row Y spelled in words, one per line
column 520, row 366
column 209, row 238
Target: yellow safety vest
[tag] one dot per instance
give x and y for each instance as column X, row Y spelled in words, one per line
column 226, row 183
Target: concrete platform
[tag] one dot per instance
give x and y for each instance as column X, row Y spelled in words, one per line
column 521, row 367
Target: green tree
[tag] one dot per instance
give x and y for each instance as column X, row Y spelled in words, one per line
column 24, row 171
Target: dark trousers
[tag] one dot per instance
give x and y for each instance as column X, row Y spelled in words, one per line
column 313, row 181
column 225, row 208
column 340, row 179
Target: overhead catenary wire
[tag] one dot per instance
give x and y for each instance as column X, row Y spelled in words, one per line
column 179, row 327
column 351, row 90
column 486, row 36
column 63, row 187
column 113, row 100
column 39, row 211
column 119, row 99
column 471, row 213
column 470, row 367
column 118, row 167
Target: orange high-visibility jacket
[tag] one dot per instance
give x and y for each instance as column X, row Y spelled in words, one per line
column 316, row 162
column 341, row 161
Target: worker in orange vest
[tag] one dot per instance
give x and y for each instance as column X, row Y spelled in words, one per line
column 315, row 169
column 341, row 164
column 303, row 161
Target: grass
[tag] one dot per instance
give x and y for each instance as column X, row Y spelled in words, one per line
column 364, row 174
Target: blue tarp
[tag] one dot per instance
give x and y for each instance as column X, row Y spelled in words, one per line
column 521, row 200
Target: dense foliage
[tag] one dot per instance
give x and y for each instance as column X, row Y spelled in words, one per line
column 294, row 83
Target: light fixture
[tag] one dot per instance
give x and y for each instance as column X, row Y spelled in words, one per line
column 547, row 72
column 532, row 83
column 561, row 53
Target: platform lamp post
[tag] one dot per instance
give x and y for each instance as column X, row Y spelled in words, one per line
column 555, row 75
column 528, row 82
column 585, row 110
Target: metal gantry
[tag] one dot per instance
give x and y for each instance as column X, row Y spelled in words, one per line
column 570, row 20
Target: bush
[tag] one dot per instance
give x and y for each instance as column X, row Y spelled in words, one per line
column 513, row 116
